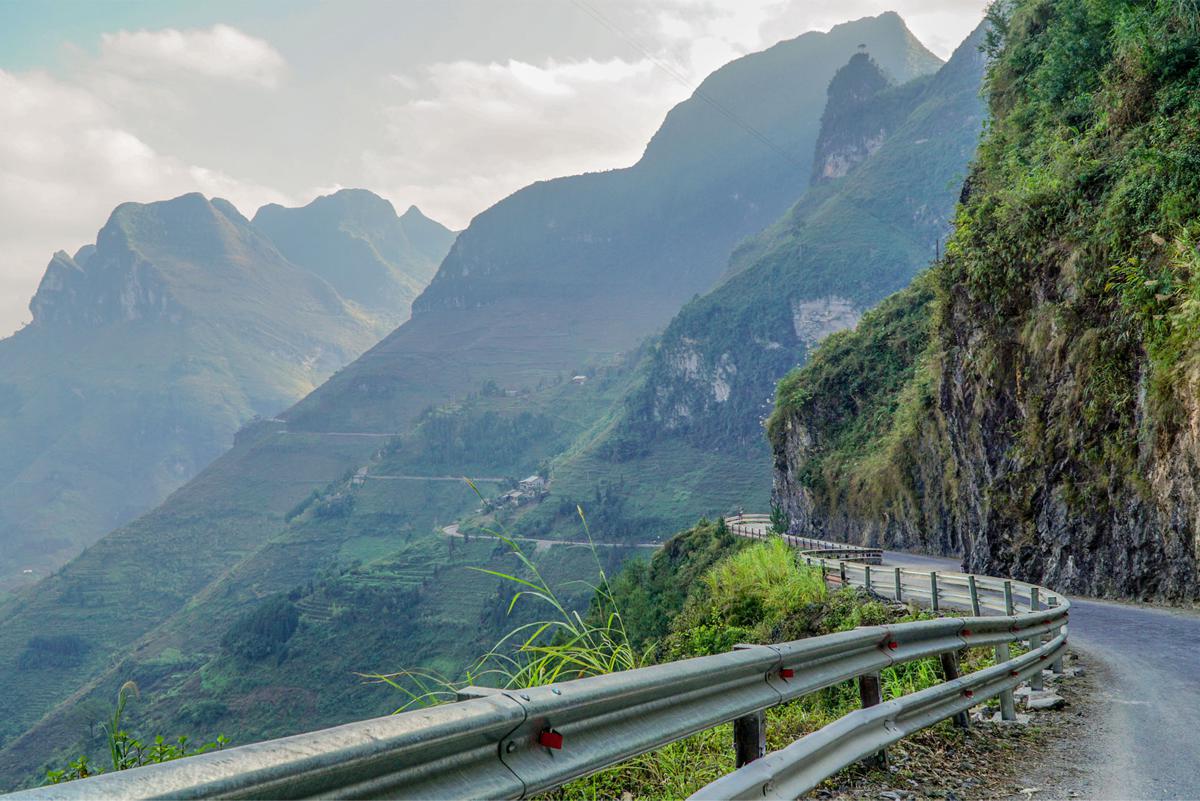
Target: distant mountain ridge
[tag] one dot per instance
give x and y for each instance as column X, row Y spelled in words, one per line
column 688, row 438
column 355, row 241
column 582, row 267
column 165, row 260
column 558, row 280
column 699, row 171
column 148, row 349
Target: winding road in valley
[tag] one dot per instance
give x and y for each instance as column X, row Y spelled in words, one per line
column 1146, row 742
column 452, row 531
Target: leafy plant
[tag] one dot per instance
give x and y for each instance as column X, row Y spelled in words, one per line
column 126, row 750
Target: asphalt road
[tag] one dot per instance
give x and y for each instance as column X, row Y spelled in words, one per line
column 1146, row 742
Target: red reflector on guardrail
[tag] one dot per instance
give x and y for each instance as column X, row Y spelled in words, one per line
column 966, row 632
column 551, row 739
column 893, row 645
column 787, row 673
column 969, row 693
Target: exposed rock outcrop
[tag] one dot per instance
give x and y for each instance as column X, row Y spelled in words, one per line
column 1033, row 403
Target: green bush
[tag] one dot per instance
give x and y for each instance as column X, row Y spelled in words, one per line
column 126, row 751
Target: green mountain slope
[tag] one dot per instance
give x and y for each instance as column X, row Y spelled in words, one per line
column 539, row 308
column 585, row 267
column 354, row 240
column 147, row 352
column 688, row 439
column 1034, row 408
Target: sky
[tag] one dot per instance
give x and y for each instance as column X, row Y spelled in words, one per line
column 450, row 105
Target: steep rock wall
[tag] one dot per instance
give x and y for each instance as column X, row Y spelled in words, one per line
column 1032, row 404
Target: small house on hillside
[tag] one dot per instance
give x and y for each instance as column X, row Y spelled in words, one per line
column 532, row 484
column 529, row 490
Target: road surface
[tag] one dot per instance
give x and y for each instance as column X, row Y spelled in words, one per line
column 452, row 531
column 1146, row 742
column 458, row 479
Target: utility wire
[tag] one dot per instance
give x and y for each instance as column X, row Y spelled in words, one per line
column 595, row 14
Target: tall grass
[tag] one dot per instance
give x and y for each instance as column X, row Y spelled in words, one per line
column 768, row 573
column 566, row 645
column 758, row 592
column 562, row 646
column 127, row 751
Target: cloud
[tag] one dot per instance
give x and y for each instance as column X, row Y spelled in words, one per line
column 220, row 52
column 66, row 160
column 472, row 133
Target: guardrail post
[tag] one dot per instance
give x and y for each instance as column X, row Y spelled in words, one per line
column 867, row 577
column 974, row 595
column 899, row 590
column 842, row 568
column 1008, row 707
column 749, row 738
column 950, row 672
column 1057, row 664
column 749, row 732
column 1035, row 681
column 1009, row 609
column 933, row 590
column 870, row 691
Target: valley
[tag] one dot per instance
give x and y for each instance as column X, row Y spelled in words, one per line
column 308, row 467
column 149, row 350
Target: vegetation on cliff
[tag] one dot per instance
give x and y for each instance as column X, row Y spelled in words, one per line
column 1047, row 427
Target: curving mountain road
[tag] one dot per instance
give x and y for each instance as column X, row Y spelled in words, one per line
column 1147, row 735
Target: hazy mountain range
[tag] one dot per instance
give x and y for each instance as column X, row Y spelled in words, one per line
column 315, row 512
column 150, row 348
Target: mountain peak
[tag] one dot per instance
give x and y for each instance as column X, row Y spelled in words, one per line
column 354, row 240
column 229, row 210
column 856, row 120
column 148, row 258
column 413, row 213
column 890, row 26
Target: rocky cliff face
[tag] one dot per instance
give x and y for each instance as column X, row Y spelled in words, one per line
column 828, row 424
column 857, row 119
column 1032, row 404
column 121, row 286
column 840, row 250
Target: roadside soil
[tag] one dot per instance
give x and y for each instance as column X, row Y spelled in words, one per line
column 1031, row 761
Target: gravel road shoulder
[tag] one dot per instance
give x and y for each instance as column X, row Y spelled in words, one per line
column 1023, row 762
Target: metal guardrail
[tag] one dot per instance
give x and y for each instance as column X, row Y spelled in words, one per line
column 759, row 527
column 801, row 766
column 516, row 743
